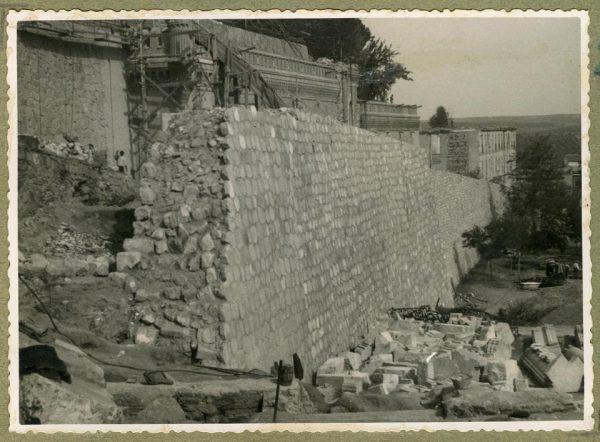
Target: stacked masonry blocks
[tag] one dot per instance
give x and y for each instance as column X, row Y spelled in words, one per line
column 317, row 228
column 64, row 89
column 330, row 226
column 462, row 203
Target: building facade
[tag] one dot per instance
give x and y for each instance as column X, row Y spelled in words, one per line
column 480, row 153
column 399, row 121
column 497, row 152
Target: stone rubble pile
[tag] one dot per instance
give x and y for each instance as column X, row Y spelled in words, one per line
column 67, row 266
column 66, row 241
column 69, row 149
column 456, row 364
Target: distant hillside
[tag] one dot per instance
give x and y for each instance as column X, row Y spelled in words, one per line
column 527, row 124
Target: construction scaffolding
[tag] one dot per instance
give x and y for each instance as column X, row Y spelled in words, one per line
column 176, row 65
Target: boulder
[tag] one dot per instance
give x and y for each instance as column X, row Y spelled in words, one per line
column 142, row 213
column 61, row 403
column 147, row 195
column 146, row 335
column 128, row 260
column 118, row 278
column 162, row 410
column 102, row 266
column 480, row 401
column 78, row 364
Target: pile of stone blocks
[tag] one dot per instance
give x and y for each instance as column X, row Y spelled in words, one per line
column 410, row 356
column 424, row 355
column 551, row 365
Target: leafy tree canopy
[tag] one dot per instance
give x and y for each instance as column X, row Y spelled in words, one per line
column 539, row 214
column 441, row 118
column 347, row 40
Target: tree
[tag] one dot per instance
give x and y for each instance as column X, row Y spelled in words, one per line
column 345, row 40
column 539, row 198
column 536, row 215
column 486, row 240
column 441, row 118
column 378, row 70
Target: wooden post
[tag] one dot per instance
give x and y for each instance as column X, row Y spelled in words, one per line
column 246, row 86
column 226, row 79
column 144, row 100
column 279, row 370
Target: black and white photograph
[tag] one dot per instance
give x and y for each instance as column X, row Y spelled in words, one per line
column 299, row 221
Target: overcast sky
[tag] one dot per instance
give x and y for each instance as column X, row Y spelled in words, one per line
column 486, row 66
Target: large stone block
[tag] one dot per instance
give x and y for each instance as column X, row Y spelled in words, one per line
column 146, row 335
column 142, row 245
column 128, row 260
column 474, row 402
column 332, row 365
column 60, row 403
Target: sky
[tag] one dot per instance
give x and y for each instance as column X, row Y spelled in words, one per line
column 486, row 66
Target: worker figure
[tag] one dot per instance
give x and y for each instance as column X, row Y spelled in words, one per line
column 392, row 99
column 122, row 162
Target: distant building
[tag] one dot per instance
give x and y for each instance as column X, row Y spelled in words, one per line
column 497, row 151
column 400, row 121
column 572, row 171
column 483, row 153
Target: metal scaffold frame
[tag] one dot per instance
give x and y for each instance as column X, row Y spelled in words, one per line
column 232, row 74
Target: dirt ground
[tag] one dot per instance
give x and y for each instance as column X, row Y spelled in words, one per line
column 498, row 289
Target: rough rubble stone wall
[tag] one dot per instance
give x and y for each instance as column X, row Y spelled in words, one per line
column 72, row 89
column 176, row 251
column 330, row 226
column 461, row 203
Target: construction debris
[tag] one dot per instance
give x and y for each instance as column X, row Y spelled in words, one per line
column 69, row 149
column 461, row 362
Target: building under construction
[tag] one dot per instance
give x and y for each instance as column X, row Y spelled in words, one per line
column 114, row 84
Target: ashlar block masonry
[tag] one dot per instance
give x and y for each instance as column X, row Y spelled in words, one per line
column 264, row 234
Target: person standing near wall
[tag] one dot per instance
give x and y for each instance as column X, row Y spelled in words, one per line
column 122, row 163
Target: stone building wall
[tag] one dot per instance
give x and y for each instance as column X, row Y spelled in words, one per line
column 72, row 89
column 265, row 234
column 463, row 151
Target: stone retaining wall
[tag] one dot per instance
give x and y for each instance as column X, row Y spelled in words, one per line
column 330, row 225
column 462, row 203
column 316, row 228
